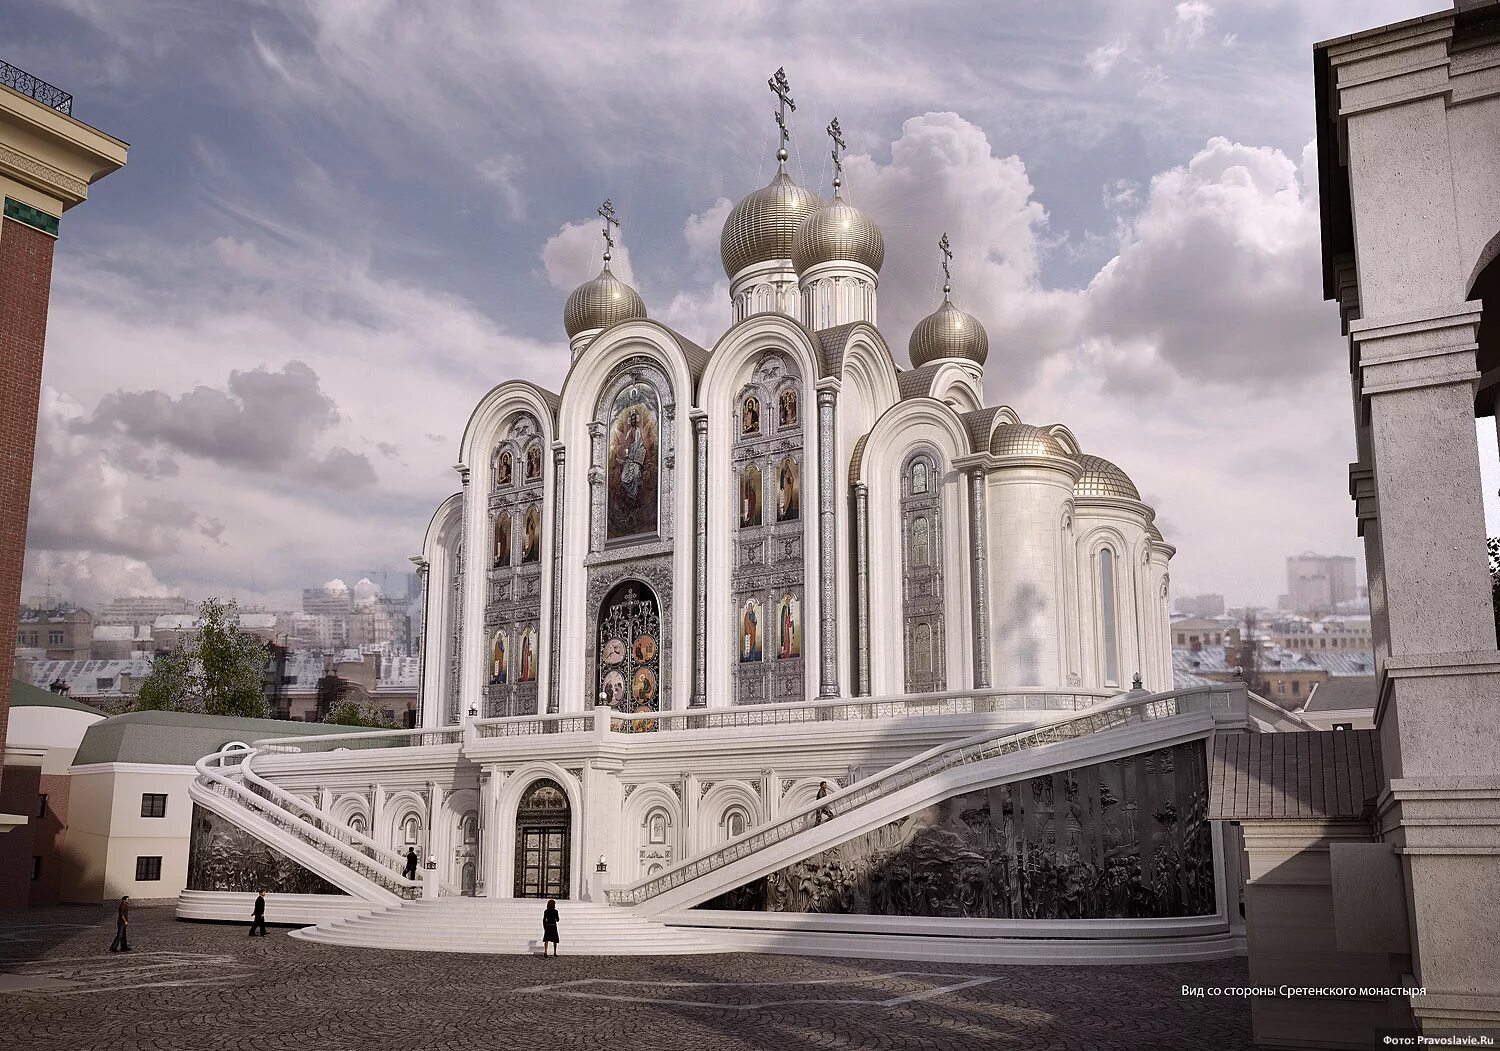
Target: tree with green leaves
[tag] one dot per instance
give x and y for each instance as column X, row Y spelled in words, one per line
column 219, row 672
column 351, row 713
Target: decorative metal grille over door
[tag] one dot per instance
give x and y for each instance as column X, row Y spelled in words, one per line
column 543, row 841
column 629, row 672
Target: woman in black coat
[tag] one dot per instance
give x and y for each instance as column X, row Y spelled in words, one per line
column 549, row 927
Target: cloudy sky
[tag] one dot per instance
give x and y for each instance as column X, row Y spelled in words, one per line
column 344, row 220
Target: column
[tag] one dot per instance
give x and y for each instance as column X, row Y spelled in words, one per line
column 377, row 818
column 487, row 882
column 979, row 574
column 700, row 566
column 464, row 696
column 862, row 586
column 554, row 640
column 434, row 812
column 828, row 646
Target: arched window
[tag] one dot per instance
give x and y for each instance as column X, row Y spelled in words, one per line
column 357, row 824
column 468, row 829
column 411, row 830
column 656, row 826
column 1110, row 641
column 629, row 667
column 918, row 477
column 735, row 822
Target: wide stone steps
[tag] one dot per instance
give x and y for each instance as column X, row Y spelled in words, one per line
column 511, row 927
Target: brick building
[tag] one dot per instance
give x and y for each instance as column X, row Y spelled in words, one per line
column 48, row 160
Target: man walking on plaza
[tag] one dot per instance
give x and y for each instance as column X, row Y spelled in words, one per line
column 259, row 918
column 122, row 921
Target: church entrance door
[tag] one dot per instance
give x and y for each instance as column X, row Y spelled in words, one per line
column 543, row 841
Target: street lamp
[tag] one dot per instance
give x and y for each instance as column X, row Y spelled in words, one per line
column 601, row 867
column 473, row 712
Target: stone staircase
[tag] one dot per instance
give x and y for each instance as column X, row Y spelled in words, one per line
column 511, row 927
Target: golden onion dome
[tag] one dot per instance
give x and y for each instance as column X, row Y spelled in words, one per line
column 1102, row 478
column 600, row 303
column 838, row 231
column 763, row 225
column 948, row 333
column 1024, row 439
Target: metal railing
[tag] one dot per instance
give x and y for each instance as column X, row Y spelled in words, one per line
column 528, row 725
column 325, row 822
column 36, row 88
column 359, row 741
column 211, row 777
column 899, row 706
column 1127, row 711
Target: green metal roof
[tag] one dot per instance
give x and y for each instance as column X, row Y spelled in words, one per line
column 182, row 738
column 23, row 694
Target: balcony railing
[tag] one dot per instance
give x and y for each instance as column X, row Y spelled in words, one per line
column 33, row 87
column 357, row 741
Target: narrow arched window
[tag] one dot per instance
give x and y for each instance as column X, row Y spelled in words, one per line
column 921, row 542
column 410, row 830
column 1107, row 624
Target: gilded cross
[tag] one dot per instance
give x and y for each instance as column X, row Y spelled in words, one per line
column 947, row 257
column 607, row 213
column 783, row 92
column 837, row 135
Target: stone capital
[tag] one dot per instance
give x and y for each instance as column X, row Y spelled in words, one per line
column 1430, row 348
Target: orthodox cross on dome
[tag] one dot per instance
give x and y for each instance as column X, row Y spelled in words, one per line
column 607, row 213
column 947, row 258
column 837, row 135
column 783, row 92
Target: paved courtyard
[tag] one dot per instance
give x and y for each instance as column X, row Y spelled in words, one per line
column 207, row 986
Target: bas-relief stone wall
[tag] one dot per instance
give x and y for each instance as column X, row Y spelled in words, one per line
column 1124, row 839
column 222, row 856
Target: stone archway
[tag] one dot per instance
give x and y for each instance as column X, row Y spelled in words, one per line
column 544, row 842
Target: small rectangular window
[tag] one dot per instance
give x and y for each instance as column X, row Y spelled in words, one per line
column 147, row 870
column 54, row 638
column 41, row 805
column 153, row 804
column 36, row 867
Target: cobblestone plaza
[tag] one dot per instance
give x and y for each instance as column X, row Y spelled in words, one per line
column 205, row 986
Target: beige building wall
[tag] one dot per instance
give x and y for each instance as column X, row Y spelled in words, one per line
column 106, row 832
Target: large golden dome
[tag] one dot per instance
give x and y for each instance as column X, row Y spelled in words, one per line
column 600, row 303
column 838, row 231
column 948, row 333
column 1102, row 478
column 763, row 226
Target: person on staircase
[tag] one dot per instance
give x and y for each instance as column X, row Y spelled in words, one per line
column 410, row 872
column 258, row 919
column 549, row 926
column 823, row 812
column 122, row 921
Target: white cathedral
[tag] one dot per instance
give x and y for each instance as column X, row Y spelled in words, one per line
column 727, row 638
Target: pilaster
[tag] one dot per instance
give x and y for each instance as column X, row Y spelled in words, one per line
column 554, row 635
column 979, row 574
column 828, row 645
column 700, row 563
column 862, row 586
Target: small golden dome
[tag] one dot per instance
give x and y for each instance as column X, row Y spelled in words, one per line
column 763, row 226
column 1024, row 439
column 948, row 333
column 1102, row 478
column 838, row 231
column 600, row 303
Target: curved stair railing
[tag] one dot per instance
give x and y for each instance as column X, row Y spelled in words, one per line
column 212, row 778
column 325, row 822
column 1111, row 715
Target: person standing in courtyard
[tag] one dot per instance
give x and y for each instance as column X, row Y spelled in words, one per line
column 549, row 926
column 258, row 919
column 122, row 921
column 410, row 872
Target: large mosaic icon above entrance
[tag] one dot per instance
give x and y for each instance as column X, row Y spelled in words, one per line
column 633, row 476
